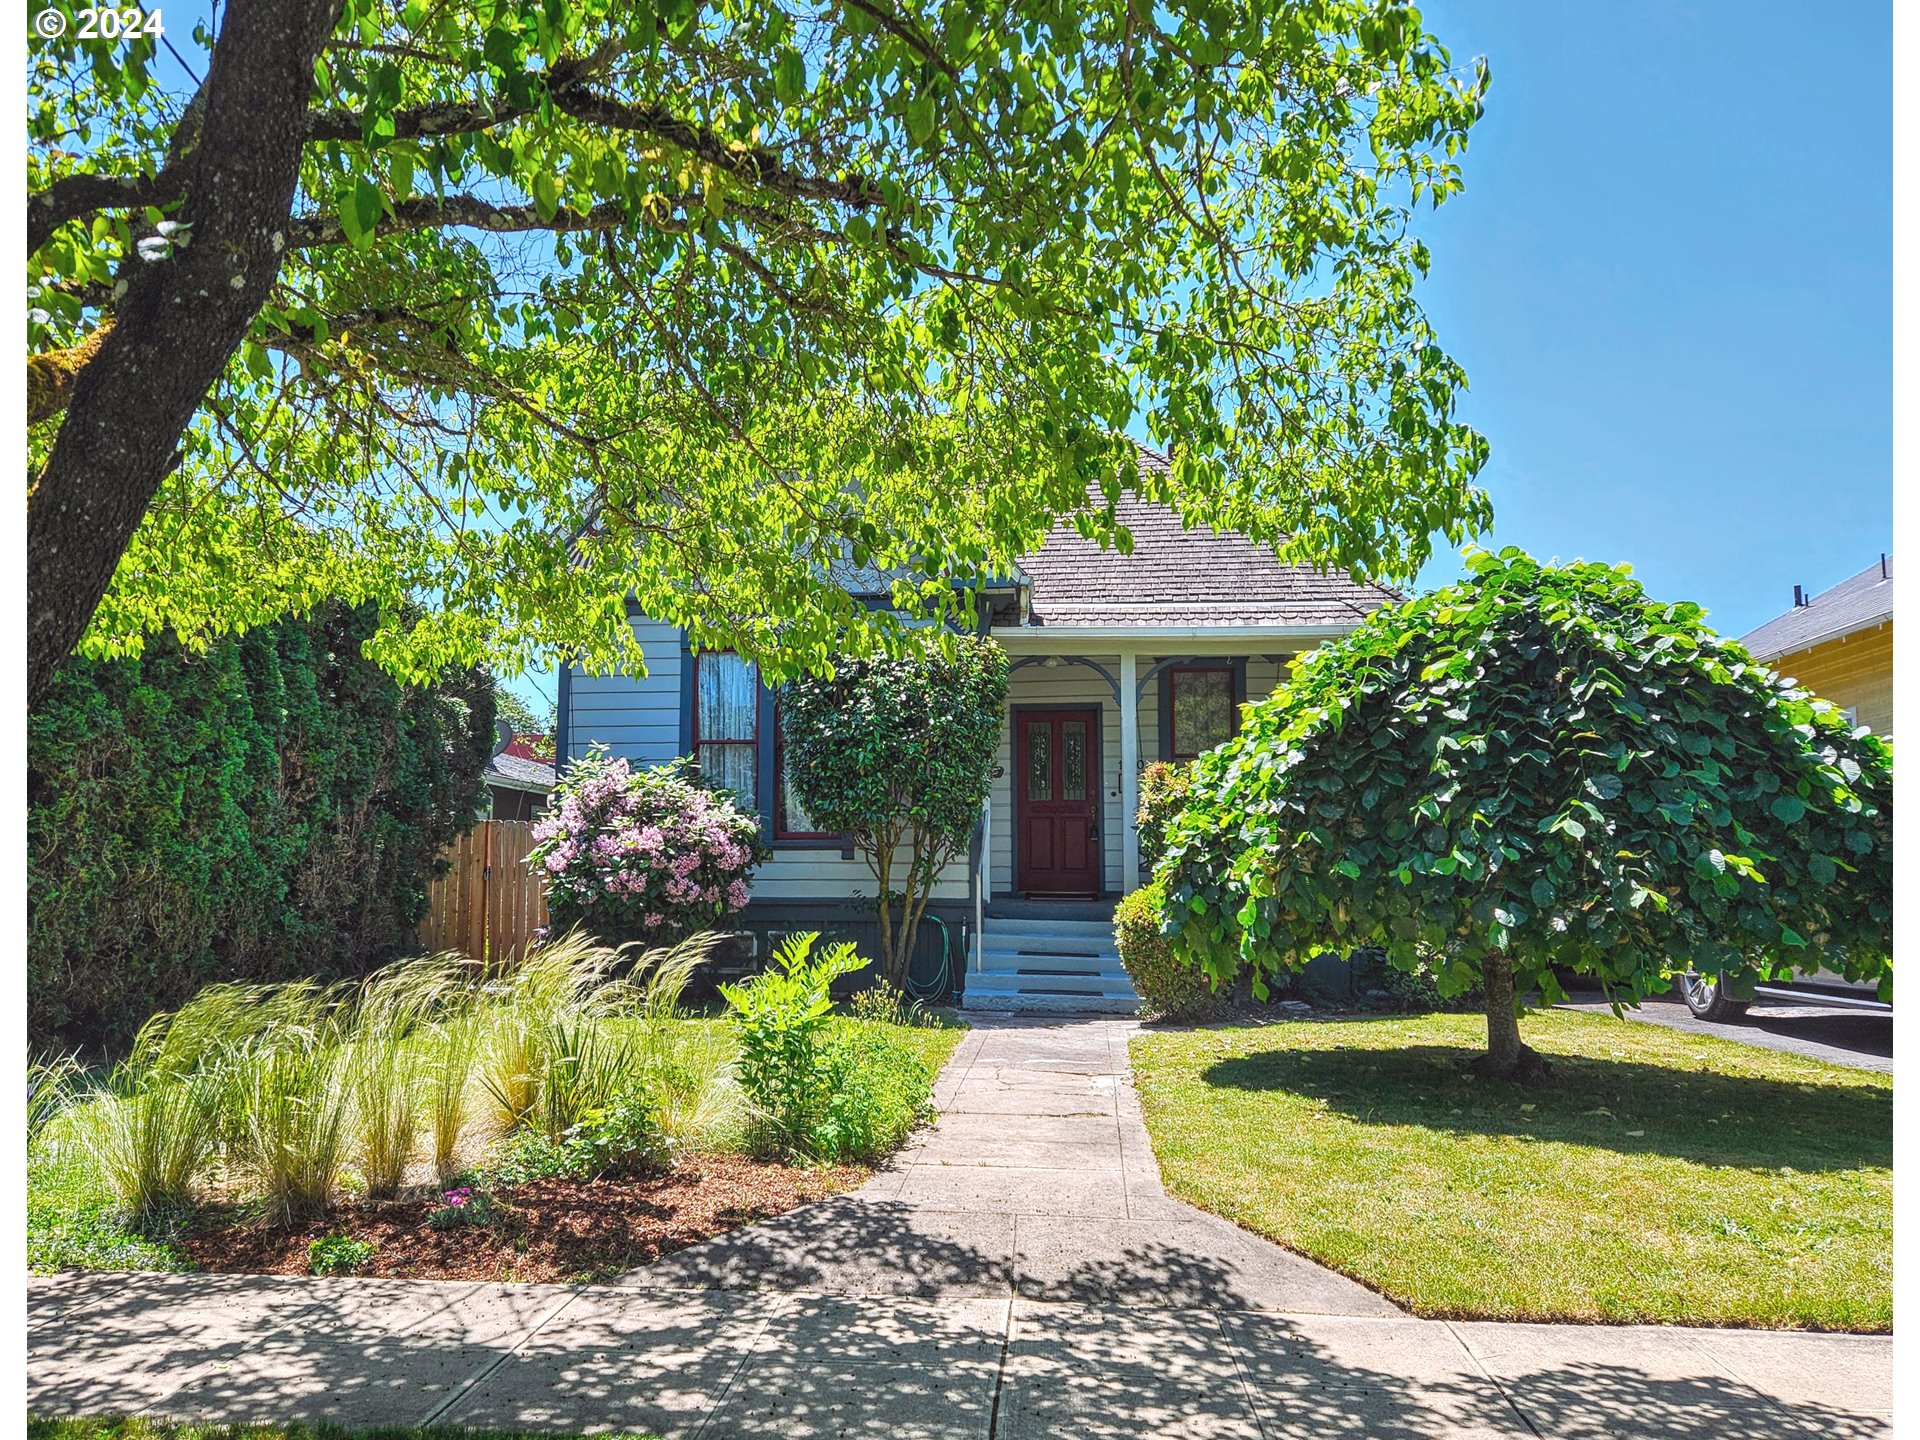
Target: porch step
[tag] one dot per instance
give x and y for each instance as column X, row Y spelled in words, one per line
column 1034, row 963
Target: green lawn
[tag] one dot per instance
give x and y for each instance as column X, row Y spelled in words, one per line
column 101, row 1428
column 1658, row 1177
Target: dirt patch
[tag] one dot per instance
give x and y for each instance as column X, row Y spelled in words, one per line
column 546, row 1230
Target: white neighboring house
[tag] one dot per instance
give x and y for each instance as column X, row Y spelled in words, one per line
column 1117, row 661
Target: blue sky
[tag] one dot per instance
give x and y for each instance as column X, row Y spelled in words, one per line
column 1670, row 282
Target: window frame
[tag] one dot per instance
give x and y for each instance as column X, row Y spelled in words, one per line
column 779, row 825
column 752, row 743
column 1172, row 679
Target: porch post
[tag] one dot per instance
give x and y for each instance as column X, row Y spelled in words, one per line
column 1129, row 776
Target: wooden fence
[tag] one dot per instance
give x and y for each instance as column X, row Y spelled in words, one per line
column 490, row 902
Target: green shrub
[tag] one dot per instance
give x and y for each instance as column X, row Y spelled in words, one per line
column 338, row 1255
column 620, row 1138
column 782, row 1014
column 1169, row 987
column 877, row 1091
column 275, row 806
column 1164, row 786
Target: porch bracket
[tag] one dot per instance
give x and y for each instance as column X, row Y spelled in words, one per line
column 1160, row 667
column 1105, row 674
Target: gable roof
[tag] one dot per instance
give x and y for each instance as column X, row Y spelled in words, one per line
column 1857, row 603
column 1185, row 577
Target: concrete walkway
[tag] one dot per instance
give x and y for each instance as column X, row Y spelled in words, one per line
column 1019, row 1272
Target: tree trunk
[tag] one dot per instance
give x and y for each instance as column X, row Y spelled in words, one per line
column 1508, row 1057
column 178, row 323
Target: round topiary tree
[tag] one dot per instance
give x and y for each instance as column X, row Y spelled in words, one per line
column 897, row 756
column 1540, row 767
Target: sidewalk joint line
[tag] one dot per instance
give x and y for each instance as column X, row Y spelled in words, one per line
column 472, row 1382
column 1492, row 1379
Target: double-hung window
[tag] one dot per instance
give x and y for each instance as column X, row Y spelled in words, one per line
column 1202, row 713
column 726, row 723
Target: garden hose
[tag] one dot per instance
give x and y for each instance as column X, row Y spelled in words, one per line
column 937, row 990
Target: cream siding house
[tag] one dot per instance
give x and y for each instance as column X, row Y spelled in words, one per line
column 1117, row 661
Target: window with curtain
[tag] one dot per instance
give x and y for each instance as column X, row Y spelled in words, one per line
column 726, row 723
column 1203, row 714
column 790, row 818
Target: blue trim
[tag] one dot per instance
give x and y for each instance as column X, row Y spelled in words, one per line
column 686, row 695
column 563, row 721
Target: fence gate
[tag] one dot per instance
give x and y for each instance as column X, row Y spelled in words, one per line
column 489, row 902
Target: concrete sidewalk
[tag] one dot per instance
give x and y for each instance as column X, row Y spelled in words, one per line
column 1017, row 1272
column 719, row 1363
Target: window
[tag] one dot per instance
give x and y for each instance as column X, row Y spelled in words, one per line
column 726, row 723
column 790, row 818
column 1201, row 713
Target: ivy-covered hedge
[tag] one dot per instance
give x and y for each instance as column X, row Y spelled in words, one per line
column 270, row 809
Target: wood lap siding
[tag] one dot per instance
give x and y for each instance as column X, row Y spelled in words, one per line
column 638, row 719
column 1855, row 671
column 489, row 904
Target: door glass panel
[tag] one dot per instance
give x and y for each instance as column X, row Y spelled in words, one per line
column 1040, row 762
column 1073, row 760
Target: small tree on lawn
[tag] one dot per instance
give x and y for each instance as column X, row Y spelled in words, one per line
column 897, row 756
column 1540, row 767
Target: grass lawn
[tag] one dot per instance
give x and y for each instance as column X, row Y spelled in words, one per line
column 102, row 1428
column 1657, row 1177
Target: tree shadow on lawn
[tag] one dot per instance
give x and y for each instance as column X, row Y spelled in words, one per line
column 1629, row 1106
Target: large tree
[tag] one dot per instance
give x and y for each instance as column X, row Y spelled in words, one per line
column 1539, row 767
column 517, row 308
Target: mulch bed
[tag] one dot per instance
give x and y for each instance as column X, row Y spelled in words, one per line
column 545, row 1230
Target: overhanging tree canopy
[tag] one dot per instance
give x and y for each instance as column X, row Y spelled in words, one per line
column 1539, row 767
column 517, row 308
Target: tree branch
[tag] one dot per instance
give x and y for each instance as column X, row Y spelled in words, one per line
column 72, row 197
column 757, row 165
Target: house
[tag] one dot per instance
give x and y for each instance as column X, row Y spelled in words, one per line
column 1117, row 661
column 1839, row 644
column 518, row 780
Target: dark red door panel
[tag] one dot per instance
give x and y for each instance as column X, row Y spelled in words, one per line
column 1056, row 802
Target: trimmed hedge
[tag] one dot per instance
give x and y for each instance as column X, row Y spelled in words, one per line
column 1169, row 987
column 273, row 808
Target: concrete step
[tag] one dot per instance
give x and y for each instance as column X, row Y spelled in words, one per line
column 1049, row 929
column 999, row 982
column 1002, row 962
column 1010, row 1002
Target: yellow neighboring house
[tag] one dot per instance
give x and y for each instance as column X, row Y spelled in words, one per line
column 1839, row 644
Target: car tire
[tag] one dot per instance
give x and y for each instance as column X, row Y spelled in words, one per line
column 1706, row 999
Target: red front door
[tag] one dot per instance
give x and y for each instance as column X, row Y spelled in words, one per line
column 1056, row 802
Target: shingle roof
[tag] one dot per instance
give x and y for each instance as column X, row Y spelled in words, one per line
column 1857, row 603
column 1179, row 576
column 518, row 772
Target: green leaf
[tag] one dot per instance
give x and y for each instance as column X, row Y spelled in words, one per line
column 1788, row 809
column 789, row 76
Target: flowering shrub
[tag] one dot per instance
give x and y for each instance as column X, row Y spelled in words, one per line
column 648, row 855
